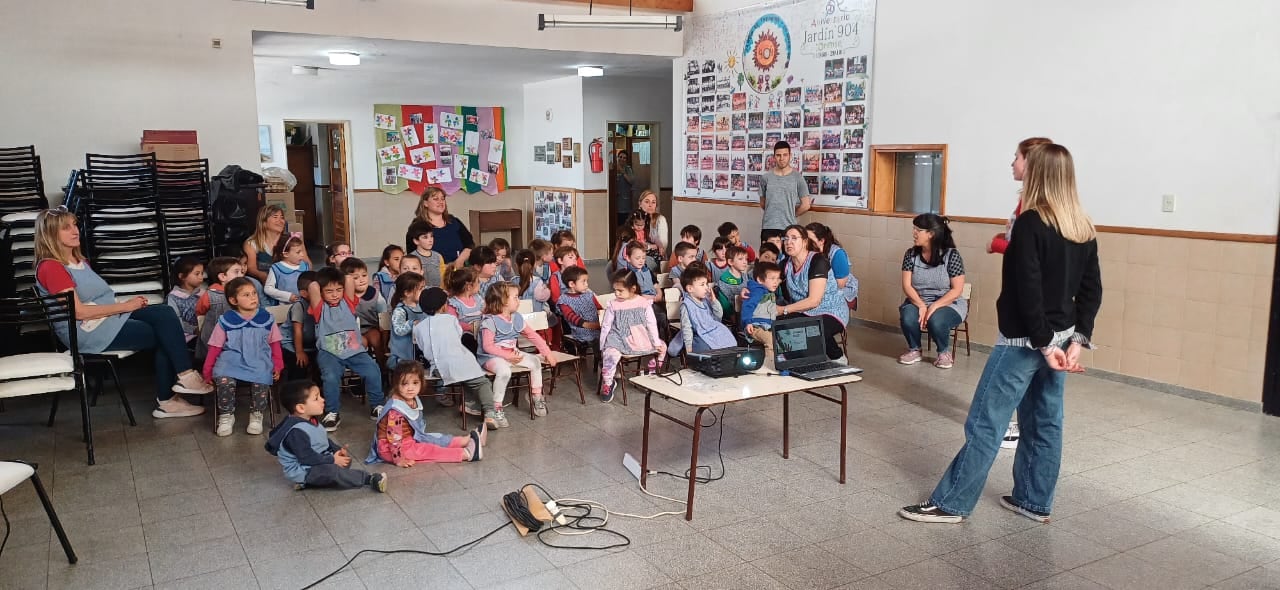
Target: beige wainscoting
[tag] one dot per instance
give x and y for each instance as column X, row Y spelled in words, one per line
column 380, row 219
column 1187, row 311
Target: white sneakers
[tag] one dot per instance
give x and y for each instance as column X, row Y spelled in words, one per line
column 226, row 423
column 192, row 383
column 255, row 423
column 176, row 407
column 1010, row 437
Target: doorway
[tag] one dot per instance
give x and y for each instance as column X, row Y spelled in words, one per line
column 318, row 157
column 639, row 141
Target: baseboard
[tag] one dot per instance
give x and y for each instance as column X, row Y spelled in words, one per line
column 1178, row 390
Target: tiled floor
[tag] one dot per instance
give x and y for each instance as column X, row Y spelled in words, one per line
column 1157, row 491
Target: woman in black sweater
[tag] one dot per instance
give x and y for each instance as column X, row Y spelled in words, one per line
column 1051, row 295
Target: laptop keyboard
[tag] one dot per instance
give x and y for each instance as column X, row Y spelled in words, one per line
column 819, row 367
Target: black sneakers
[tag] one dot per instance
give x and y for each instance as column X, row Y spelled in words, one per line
column 378, row 482
column 928, row 513
column 330, row 421
column 1008, row 503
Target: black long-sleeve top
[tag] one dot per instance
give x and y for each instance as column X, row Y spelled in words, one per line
column 1050, row 284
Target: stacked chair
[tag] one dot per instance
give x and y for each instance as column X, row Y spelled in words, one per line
column 183, row 197
column 21, row 199
column 122, row 230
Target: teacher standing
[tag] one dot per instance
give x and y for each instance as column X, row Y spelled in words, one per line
column 784, row 196
column 452, row 239
column 626, row 183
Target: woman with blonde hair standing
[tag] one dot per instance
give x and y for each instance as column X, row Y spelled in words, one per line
column 1052, row 289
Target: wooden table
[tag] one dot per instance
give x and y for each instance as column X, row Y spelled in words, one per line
column 511, row 220
column 702, row 392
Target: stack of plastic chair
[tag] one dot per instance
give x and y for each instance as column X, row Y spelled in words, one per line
column 183, row 189
column 21, row 199
column 121, row 229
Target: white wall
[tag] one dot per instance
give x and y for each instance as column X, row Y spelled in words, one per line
column 627, row 99
column 90, row 76
column 349, row 95
column 1151, row 96
column 563, row 97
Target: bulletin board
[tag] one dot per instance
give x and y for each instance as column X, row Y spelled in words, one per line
column 797, row 71
column 555, row 209
column 451, row 147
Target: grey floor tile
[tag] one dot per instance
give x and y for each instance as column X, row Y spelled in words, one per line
column 271, row 513
column 818, row 522
column 1003, row 565
column 548, row 580
column 452, row 533
column 933, row 573
column 1105, row 528
column 164, row 484
column 743, row 576
column 188, row 529
column 27, row 566
column 110, row 544
column 1259, row 520
column 1064, row 581
column 290, row 539
column 518, row 559
column 1261, row 578
column 180, row 505
column 1058, row 546
column 1199, row 500
column 1192, row 561
column 874, row 551
column 754, row 539
column 295, row 571
column 387, row 571
column 1156, row 514
column 624, row 571
column 1254, row 548
column 236, row 577
column 689, row 556
column 374, row 521
column 809, row 567
column 177, row 562
column 934, row 539
column 1130, row 572
column 132, row 572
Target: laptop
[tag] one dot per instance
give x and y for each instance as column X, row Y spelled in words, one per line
column 799, row 349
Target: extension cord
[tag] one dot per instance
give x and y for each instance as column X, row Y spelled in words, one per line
column 554, row 509
column 631, row 465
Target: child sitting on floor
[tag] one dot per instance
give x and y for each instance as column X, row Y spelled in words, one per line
column 500, row 331
column 244, row 346
column 439, row 338
column 282, row 278
column 309, row 457
column 629, row 328
column 401, row 437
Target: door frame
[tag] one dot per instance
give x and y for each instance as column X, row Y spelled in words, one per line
column 655, row 172
column 350, row 188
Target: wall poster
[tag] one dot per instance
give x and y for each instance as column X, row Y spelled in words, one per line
column 553, row 210
column 798, row 72
column 451, row 147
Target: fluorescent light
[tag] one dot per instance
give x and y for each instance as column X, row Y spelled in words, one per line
column 590, row 71
column 344, row 58
column 596, row 21
column 308, row 4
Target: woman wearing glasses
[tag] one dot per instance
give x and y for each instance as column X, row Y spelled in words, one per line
column 103, row 324
column 810, row 288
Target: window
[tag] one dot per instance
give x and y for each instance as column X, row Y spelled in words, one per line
column 908, row 178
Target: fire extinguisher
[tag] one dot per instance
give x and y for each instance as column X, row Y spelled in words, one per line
column 597, row 155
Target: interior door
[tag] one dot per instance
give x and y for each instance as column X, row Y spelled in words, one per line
column 338, row 184
column 301, row 161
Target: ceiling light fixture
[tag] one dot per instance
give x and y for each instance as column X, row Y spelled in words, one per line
column 589, row 21
column 590, row 71
column 307, row 4
column 344, row 58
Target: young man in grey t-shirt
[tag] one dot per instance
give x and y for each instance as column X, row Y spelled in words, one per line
column 783, row 194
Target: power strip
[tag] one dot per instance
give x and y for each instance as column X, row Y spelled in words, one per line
column 631, row 465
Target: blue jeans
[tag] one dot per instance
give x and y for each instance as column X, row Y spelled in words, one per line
column 1013, row 378
column 939, row 326
column 156, row 327
column 331, row 378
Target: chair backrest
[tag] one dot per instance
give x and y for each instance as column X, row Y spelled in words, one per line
column 279, row 313
column 526, row 306
column 662, row 279
column 605, row 298
column 671, row 298
column 536, row 320
column 43, row 311
column 384, row 321
column 966, row 291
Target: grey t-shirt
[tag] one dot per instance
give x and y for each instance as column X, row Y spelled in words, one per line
column 781, row 195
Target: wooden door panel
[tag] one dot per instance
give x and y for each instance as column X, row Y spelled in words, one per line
column 338, row 184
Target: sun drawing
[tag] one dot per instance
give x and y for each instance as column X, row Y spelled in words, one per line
column 766, row 51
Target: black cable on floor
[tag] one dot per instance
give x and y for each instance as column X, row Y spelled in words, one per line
column 409, row 551
column 7, row 528
column 719, row 441
column 583, row 522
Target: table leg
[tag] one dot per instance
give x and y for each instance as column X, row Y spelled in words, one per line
column 786, row 426
column 644, row 444
column 693, row 461
column 844, row 428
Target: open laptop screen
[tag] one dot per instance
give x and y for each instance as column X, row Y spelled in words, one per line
column 797, row 342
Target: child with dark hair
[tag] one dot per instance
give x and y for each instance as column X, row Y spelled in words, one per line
column 336, row 252
column 244, row 346
column 466, row 305
column 563, row 239
column 769, row 253
column 543, row 257
column 369, row 307
column 298, row 333
column 732, row 281
column 760, row 307
column 565, row 258
column 505, row 270
column 439, row 337
column 718, row 259
column 309, row 457
column 213, row 302
column 401, row 437
column 629, row 328
column 693, row 235
column 485, row 262
column 685, row 254
column 388, row 269
column 188, row 287
column 404, row 316
column 422, row 239
column 701, row 328
column 579, row 306
column 729, row 231
column 333, row 307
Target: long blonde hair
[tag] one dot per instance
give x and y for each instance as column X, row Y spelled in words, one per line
column 48, row 224
column 260, row 232
column 421, row 212
column 1049, row 189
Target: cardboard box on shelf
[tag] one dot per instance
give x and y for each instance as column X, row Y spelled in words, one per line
column 173, row 151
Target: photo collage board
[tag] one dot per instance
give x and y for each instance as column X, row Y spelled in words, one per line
column 553, row 210
column 797, row 72
column 450, row 147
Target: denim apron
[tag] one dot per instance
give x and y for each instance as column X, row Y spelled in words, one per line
column 91, row 290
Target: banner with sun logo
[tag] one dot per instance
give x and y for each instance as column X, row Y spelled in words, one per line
column 797, row 72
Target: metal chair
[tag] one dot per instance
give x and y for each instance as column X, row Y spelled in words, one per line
column 963, row 327
column 13, row 473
